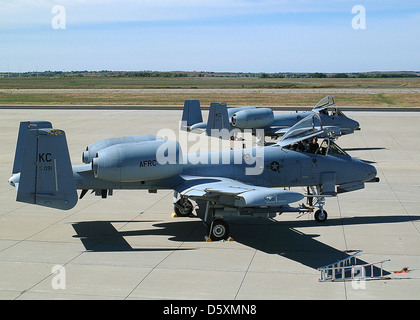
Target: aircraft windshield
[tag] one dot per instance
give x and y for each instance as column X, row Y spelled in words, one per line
column 332, row 112
column 329, row 147
column 339, row 113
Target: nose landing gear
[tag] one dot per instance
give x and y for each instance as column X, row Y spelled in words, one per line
column 316, row 200
column 321, row 215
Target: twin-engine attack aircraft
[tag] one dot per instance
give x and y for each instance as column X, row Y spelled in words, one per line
column 224, row 184
column 242, row 118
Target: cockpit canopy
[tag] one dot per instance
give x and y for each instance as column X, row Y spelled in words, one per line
column 307, row 128
column 327, row 147
column 300, row 138
column 325, row 106
column 324, row 103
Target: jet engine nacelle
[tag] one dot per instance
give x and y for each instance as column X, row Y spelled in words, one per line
column 252, row 118
column 142, row 161
column 93, row 148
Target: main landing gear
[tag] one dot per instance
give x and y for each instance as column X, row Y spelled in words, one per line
column 183, row 207
column 217, row 228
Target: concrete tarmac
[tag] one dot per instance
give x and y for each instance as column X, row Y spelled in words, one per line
column 128, row 246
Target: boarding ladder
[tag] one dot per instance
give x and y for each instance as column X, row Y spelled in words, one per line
column 346, row 270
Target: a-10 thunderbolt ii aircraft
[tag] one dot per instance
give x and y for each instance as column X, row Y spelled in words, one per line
column 274, row 125
column 223, row 184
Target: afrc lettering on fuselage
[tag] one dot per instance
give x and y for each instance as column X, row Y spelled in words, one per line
column 148, row 163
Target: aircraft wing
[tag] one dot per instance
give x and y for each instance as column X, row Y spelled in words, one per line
column 236, row 193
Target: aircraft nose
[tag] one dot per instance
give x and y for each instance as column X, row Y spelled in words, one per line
column 14, row 179
column 356, row 125
column 370, row 172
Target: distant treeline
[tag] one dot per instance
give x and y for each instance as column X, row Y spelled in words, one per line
column 341, row 75
column 179, row 74
column 143, row 74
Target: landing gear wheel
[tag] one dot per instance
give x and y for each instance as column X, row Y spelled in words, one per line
column 321, row 215
column 183, row 208
column 219, row 230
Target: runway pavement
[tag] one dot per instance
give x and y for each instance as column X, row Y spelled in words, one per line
column 130, row 247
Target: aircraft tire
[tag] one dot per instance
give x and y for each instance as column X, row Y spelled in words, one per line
column 186, row 210
column 219, row 230
column 321, row 215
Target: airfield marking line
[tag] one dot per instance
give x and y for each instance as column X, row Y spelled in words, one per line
column 80, row 253
column 158, row 264
column 250, row 262
column 64, row 264
column 387, row 182
column 246, row 273
column 169, row 254
column 345, row 240
column 145, row 210
column 49, row 226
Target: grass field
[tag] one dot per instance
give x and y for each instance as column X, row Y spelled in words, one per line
column 203, row 83
column 231, row 97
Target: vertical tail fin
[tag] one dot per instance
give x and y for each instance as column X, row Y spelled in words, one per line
column 23, row 128
column 191, row 114
column 46, row 174
column 218, row 120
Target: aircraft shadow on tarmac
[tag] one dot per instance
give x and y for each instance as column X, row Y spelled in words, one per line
column 101, row 236
column 269, row 236
column 364, row 149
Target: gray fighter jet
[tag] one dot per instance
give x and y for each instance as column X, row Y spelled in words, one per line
column 219, row 185
column 274, row 125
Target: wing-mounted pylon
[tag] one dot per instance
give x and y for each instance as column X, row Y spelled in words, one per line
column 220, row 198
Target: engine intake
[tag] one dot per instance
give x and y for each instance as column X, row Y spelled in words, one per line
column 141, row 161
column 252, row 118
column 94, row 148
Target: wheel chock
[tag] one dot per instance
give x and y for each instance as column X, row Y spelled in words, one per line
column 208, row 239
column 174, row 215
column 403, row 270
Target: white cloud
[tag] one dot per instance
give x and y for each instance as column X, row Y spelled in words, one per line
column 288, row 43
column 26, row 13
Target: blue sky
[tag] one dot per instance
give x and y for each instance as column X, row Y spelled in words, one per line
column 210, row 35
